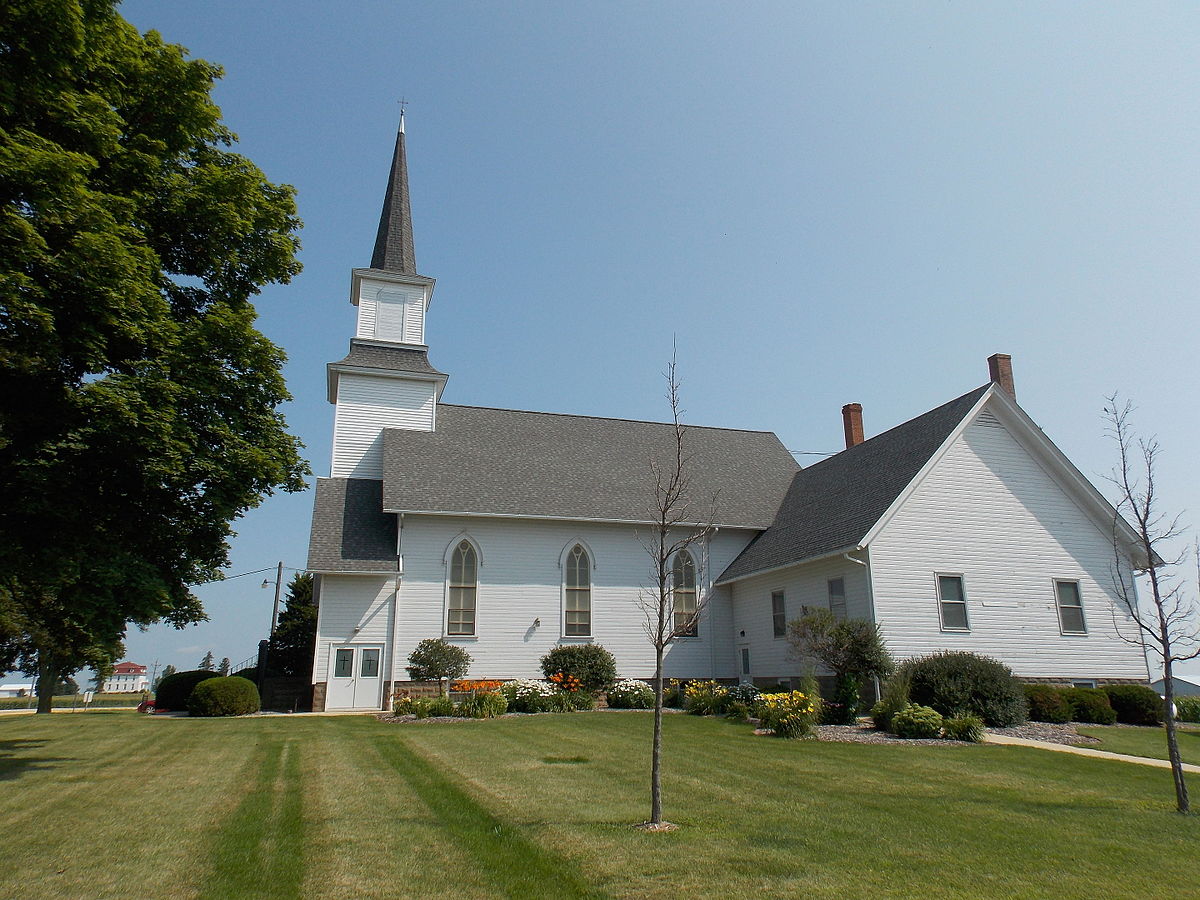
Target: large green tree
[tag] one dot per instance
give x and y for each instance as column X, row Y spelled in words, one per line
column 292, row 645
column 139, row 406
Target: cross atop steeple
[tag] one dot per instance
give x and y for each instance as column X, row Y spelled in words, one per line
column 394, row 250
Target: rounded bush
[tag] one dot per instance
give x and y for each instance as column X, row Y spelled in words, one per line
column 1090, row 705
column 225, row 695
column 957, row 683
column 915, row 721
column 582, row 701
column 413, row 706
column 631, row 694
column 435, row 659
column 1047, row 703
column 591, row 664
column 967, row 728
column 174, row 690
column 1135, row 704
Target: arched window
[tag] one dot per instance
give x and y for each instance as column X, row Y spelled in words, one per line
column 577, row 621
column 460, row 618
column 683, row 581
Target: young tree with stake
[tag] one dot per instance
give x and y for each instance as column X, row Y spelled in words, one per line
column 1167, row 624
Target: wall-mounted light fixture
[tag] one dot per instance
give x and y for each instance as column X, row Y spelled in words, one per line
column 537, row 623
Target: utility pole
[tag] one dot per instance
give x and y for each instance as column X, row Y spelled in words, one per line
column 278, row 586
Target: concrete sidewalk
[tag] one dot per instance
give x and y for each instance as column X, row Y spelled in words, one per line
column 1084, row 751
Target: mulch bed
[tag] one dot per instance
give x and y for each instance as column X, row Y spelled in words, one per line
column 1049, row 732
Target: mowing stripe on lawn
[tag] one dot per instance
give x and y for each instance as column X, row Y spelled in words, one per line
column 514, row 865
column 259, row 852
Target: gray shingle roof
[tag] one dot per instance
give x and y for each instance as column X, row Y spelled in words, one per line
column 394, row 240
column 365, row 355
column 831, row 505
column 350, row 531
column 516, row 463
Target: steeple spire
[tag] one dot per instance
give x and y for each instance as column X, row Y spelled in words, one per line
column 394, row 242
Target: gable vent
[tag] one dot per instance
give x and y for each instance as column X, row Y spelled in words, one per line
column 987, row 420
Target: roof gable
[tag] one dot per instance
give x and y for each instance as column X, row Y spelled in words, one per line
column 832, row 505
column 503, row 462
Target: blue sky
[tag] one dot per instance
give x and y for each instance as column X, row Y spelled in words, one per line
column 823, row 203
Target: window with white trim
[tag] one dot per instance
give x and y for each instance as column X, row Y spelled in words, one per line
column 460, row 615
column 778, row 614
column 952, row 603
column 577, row 615
column 1070, row 607
column 837, row 598
column 683, row 594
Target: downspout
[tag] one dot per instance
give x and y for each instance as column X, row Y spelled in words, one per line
column 866, row 564
column 396, row 601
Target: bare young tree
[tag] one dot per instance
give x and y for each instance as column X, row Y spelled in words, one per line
column 1167, row 622
column 673, row 605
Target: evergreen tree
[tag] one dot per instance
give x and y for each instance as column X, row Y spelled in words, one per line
column 138, row 403
column 207, row 663
column 223, row 669
column 296, row 632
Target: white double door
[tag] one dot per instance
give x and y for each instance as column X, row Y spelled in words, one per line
column 355, row 677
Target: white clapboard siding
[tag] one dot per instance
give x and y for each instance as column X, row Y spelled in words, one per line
column 366, row 405
column 391, row 313
column 804, row 585
column 352, row 609
column 990, row 512
column 520, row 581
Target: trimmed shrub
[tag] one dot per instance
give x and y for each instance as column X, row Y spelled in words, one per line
column 631, row 694
column 967, row 728
column 894, row 699
column 594, row 666
column 705, row 698
column 529, row 696
column 1187, row 709
column 1135, row 704
column 957, row 683
column 790, row 715
column 1090, row 705
column 440, row 706
column 438, row 660
column 174, row 690
column 916, row 721
column 483, row 705
column 1047, row 703
column 225, row 695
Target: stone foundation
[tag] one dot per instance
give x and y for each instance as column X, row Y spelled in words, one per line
column 318, row 697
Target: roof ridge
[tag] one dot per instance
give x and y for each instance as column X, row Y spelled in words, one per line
column 539, row 412
column 883, row 434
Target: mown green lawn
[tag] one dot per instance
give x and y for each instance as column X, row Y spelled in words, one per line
column 541, row 807
column 1150, row 742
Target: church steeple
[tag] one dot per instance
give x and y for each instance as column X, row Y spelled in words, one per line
column 394, row 241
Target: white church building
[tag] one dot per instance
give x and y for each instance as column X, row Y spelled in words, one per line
column 511, row 532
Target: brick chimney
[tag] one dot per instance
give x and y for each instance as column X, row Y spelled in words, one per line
column 1000, row 370
column 852, row 420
